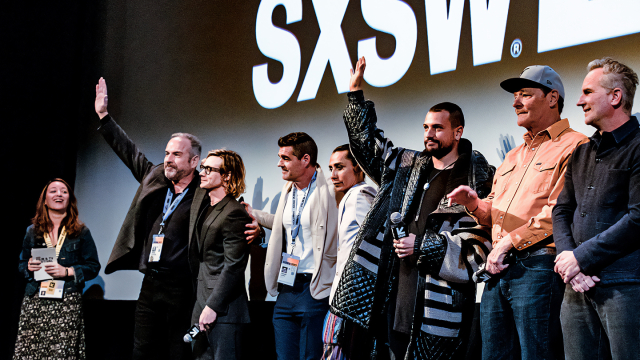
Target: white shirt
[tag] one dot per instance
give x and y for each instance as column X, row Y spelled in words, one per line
column 352, row 210
column 304, row 244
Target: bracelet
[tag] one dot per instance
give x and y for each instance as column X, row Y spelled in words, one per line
column 66, row 272
column 472, row 211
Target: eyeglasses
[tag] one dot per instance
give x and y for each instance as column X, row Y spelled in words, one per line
column 208, row 169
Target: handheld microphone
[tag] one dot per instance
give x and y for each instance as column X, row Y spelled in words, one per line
column 397, row 226
column 193, row 332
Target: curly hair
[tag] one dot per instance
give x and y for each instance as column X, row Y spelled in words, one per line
column 231, row 164
column 43, row 224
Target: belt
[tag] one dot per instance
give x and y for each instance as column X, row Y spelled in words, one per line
column 529, row 253
column 303, row 278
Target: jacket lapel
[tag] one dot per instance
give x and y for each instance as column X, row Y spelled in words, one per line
column 212, row 217
column 198, row 198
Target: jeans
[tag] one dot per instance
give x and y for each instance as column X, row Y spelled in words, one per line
column 603, row 323
column 162, row 318
column 520, row 311
column 297, row 321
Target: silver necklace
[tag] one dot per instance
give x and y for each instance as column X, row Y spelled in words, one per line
column 427, row 185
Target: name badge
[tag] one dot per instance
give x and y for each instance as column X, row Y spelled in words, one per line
column 52, row 289
column 288, row 269
column 156, row 248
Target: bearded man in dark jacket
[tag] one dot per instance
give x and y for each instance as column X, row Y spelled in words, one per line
column 414, row 296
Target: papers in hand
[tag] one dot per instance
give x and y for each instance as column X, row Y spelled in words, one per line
column 45, row 256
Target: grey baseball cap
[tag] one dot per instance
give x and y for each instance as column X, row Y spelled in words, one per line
column 535, row 76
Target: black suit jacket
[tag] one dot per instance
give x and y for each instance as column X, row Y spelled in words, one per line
column 130, row 241
column 221, row 250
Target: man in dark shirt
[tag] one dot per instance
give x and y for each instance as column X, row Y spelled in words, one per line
column 597, row 221
column 154, row 237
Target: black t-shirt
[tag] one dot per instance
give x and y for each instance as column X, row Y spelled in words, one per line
column 408, row 272
column 174, row 255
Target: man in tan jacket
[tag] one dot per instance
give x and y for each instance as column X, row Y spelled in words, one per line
column 301, row 256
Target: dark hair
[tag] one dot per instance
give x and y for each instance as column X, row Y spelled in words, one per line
column 456, row 117
column 302, row 144
column 231, row 164
column 346, row 148
column 43, row 224
column 546, row 91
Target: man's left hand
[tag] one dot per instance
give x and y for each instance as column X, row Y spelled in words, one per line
column 567, row 266
column 207, row 318
column 404, row 246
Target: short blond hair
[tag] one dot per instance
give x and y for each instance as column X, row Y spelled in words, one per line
column 231, row 164
column 617, row 75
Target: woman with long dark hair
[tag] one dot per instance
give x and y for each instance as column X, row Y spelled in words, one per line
column 51, row 322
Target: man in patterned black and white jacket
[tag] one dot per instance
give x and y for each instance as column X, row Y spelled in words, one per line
column 414, row 295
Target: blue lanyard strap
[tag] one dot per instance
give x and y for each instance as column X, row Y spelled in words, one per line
column 169, row 206
column 295, row 218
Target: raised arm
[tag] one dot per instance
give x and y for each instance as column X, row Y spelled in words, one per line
column 126, row 150
column 368, row 144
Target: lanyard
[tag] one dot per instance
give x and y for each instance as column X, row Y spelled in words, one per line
column 295, row 218
column 169, row 206
column 63, row 235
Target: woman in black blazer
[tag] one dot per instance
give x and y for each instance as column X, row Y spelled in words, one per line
column 220, row 247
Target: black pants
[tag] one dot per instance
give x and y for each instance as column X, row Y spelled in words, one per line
column 162, row 318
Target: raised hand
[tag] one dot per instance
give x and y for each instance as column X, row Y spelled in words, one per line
column 101, row 98
column 355, row 83
column 257, row 201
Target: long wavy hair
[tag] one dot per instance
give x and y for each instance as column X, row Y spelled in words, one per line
column 231, row 164
column 43, row 223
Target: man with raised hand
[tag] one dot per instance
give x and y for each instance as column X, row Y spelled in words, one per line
column 520, row 305
column 413, row 289
column 597, row 222
column 301, row 256
column 154, row 237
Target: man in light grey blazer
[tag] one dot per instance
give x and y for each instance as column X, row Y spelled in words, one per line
column 304, row 229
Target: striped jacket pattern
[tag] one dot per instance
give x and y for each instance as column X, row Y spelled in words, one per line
column 448, row 253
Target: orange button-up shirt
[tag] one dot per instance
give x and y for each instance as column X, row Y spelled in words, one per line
column 527, row 184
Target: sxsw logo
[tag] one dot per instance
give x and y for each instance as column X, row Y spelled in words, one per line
column 488, row 25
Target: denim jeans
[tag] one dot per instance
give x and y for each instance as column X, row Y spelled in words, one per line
column 297, row 321
column 520, row 312
column 603, row 323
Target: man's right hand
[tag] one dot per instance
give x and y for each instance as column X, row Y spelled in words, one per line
column 254, row 228
column 355, row 83
column 466, row 196
column 101, row 98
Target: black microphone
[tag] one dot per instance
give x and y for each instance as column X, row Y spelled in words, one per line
column 397, row 226
column 193, row 332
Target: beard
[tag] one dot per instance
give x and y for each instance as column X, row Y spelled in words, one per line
column 174, row 173
column 439, row 152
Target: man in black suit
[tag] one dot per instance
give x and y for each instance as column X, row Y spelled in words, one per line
column 154, row 237
column 218, row 244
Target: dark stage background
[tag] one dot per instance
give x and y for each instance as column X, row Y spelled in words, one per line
column 191, row 66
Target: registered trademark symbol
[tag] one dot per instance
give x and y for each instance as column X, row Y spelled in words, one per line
column 516, row 48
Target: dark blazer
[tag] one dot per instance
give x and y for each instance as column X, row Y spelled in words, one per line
column 78, row 252
column 130, row 241
column 222, row 251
